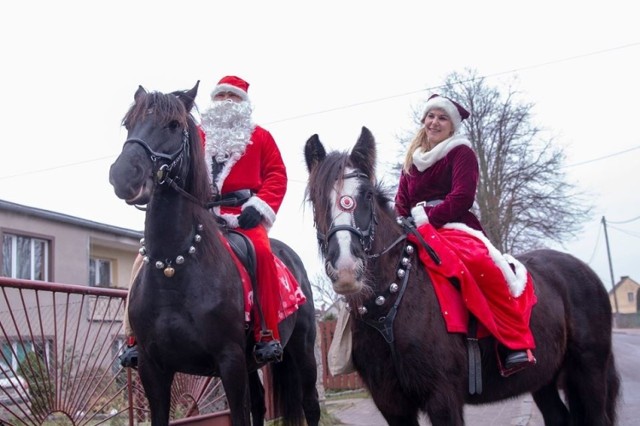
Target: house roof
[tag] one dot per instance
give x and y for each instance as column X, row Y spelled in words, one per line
column 71, row 220
column 623, row 279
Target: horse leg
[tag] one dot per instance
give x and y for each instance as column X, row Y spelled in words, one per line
column 443, row 409
column 157, row 388
column 553, row 410
column 308, row 371
column 235, row 381
column 396, row 410
column 258, row 406
column 588, row 378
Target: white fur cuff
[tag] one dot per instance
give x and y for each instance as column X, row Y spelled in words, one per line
column 419, row 215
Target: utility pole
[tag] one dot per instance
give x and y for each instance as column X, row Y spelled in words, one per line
column 613, row 284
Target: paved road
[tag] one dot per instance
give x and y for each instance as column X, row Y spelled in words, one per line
column 517, row 412
column 520, row 412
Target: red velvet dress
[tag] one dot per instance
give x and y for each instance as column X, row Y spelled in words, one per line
column 490, row 289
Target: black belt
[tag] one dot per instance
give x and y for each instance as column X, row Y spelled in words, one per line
column 232, row 199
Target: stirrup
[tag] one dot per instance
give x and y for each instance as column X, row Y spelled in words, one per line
column 129, row 358
column 522, row 361
column 267, row 349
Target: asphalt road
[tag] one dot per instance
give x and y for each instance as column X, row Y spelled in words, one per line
column 521, row 411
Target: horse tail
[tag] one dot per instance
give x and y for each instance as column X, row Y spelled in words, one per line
column 287, row 390
column 613, row 392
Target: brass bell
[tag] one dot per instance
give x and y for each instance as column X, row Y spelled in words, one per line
column 169, row 272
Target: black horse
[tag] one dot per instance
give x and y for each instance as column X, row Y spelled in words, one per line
column 411, row 364
column 187, row 306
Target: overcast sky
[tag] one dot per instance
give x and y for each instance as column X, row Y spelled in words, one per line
column 70, row 69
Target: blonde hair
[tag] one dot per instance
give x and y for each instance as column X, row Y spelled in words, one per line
column 420, row 140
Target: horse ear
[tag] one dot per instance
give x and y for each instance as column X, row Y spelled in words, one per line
column 190, row 96
column 139, row 93
column 314, row 152
column 363, row 154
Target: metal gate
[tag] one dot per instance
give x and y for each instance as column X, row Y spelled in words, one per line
column 59, row 362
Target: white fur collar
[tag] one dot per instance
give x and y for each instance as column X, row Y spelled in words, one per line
column 423, row 160
column 516, row 280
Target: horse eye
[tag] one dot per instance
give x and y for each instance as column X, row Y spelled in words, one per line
column 173, row 125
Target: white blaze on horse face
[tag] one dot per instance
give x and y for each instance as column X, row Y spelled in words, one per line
column 346, row 265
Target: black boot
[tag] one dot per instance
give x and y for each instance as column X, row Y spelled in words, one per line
column 129, row 358
column 267, row 349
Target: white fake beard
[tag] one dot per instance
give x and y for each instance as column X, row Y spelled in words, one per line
column 228, row 128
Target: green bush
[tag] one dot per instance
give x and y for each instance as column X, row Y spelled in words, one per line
column 41, row 387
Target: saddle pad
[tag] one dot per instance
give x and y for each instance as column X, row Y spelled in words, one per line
column 291, row 294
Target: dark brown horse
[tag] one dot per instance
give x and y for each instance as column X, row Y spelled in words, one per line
column 187, row 306
column 401, row 348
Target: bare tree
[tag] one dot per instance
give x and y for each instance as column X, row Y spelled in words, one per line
column 524, row 199
column 323, row 294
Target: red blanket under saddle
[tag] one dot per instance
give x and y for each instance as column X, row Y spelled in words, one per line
column 291, row 294
column 486, row 288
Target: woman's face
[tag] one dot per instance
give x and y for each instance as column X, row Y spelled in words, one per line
column 438, row 126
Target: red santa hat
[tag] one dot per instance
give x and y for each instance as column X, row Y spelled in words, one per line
column 454, row 110
column 232, row 84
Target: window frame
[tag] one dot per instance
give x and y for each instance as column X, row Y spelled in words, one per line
column 47, row 261
column 93, row 282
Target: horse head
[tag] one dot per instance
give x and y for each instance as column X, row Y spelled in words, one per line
column 162, row 141
column 347, row 205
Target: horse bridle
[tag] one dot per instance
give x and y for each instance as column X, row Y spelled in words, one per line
column 365, row 237
column 164, row 164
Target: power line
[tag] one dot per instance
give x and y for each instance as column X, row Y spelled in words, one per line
column 602, row 158
column 61, row 166
column 625, row 221
column 528, row 67
column 593, row 254
column 524, row 68
column 623, row 231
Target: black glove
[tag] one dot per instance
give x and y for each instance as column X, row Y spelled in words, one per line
column 249, row 218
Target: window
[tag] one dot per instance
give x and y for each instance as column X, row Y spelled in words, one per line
column 14, row 352
column 630, row 296
column 99, row 272
column 25, row 257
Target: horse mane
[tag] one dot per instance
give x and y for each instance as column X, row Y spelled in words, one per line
column 321, row 179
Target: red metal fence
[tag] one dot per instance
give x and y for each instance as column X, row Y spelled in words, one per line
column 58, row 361
column 59, row 348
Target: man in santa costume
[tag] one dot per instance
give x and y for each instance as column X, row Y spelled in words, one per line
column 245, row 163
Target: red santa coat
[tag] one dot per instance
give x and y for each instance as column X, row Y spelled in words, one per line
column 261, row 169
